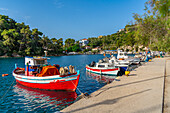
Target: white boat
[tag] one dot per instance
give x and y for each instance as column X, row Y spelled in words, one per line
column 122, row 64
column 123, row 57
column 103, row 68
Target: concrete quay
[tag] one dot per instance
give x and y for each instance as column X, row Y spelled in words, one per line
column 145, row 90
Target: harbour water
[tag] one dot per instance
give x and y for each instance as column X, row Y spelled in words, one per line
column 17, row 98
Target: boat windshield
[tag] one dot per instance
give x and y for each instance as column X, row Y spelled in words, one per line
column 101, row 65
column 40, row 62
column 110, row 65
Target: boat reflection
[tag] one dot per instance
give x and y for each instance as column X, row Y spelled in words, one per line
column 43, row 99
column 101, row 78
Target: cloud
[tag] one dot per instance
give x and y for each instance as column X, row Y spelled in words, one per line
column 4, row 9
column 58, row 4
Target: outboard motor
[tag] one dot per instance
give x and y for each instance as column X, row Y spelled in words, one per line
column 92, row 64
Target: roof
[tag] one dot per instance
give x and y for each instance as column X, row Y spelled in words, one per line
column 37, row 58
column 84, row 39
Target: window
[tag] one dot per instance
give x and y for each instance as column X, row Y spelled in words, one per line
column 101, row 65
column 39, row 62
column 110, row 65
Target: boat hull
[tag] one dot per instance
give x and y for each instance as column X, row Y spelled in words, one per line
column 123, row 69
column 109, row 72
column 49, row 83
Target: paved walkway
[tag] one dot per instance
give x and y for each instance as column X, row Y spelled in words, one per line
column 141, row 92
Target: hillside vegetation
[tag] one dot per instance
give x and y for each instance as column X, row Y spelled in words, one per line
column 151, row 30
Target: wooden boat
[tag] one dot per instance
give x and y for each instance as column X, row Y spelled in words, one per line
column 38, row 74
column 103, row 68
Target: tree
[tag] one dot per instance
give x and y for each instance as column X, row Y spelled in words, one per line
column 76, row 48
column 69, row 42
column 152, row 27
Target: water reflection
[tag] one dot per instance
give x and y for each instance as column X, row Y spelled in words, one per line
column 101, row 78
column 40, row 100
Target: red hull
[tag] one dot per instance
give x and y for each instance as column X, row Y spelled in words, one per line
column 102, row 70
column 58, row 85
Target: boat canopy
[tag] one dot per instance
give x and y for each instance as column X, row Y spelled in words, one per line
column 48, row 71
column 34, row 61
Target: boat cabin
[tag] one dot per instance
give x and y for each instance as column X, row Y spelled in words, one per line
column 104, row 65
column 33, row 62
column 122, row 55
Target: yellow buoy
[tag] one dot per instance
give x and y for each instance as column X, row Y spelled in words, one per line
column 150, row 60
column 127, row 72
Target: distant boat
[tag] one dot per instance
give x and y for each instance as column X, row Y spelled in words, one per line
column 122, row 56
column 38, row 74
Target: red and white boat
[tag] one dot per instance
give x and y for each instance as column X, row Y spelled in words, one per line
column 38, row 74
column 103, row 68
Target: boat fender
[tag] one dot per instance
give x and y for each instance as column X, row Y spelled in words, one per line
column 61, row 71
column 71, row 69
column 127, row 73
column 66, row 70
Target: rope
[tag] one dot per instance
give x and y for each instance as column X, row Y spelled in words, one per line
column 79, row 90
column 7, row 90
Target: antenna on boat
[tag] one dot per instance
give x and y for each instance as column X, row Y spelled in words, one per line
column 45, row 53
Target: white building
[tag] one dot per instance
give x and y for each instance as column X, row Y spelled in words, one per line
column 87, row 47
column 83, row 42
column 121, row 30
column 95, row 49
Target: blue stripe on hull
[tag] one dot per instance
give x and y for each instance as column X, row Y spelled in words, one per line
column 51, row 78
column 123, row 68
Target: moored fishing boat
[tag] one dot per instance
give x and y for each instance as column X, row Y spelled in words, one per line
column 123, row 57
column 38, row 74
column 122, row 64
column 103, row 68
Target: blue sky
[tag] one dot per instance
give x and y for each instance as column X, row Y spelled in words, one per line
column 76, row 19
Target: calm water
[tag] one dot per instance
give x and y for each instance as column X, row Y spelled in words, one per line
column 22, row 99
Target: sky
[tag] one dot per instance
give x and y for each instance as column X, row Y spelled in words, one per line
column 75, row 19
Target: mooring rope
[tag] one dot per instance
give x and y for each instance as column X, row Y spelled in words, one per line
column 7, row 90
